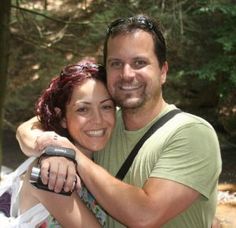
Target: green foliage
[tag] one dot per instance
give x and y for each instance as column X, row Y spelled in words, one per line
column 218, row 39
column 201, row 40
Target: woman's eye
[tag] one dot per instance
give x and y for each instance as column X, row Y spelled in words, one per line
column 82, row 110
column 108, row 107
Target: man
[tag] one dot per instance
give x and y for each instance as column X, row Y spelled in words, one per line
column 173, row 180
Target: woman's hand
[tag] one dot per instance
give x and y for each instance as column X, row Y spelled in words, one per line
column 56, row 171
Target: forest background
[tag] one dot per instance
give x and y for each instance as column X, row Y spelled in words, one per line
column 39, row 37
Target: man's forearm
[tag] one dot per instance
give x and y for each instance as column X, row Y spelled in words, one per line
column 27, row 134
column 117, row 198
column 149, row 206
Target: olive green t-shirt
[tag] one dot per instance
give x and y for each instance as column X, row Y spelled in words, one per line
column 185, row 150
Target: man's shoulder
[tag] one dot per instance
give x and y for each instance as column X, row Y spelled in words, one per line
column 185, row 118
column 192, row 119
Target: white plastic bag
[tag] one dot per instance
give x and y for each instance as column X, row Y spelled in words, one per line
column 11, row 184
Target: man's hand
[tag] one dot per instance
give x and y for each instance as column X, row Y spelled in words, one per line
column 58, row 172
column 48, row 138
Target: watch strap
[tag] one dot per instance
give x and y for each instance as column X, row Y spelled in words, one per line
column 58, row 152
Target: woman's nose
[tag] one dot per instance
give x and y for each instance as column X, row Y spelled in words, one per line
column 97, row 117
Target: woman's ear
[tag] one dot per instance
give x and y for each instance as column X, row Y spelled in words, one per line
column 63, row 123
column 63, row 120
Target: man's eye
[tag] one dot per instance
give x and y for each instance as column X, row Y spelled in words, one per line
column 115, row 64
column 139, row 63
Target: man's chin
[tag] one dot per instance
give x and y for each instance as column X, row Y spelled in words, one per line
column 132, row 103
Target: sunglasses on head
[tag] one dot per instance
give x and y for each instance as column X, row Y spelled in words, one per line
column 141, row 21
column 74, row 70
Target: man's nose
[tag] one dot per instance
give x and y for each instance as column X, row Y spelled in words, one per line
column 128, row 72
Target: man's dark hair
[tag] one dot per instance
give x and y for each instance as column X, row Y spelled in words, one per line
column 131, row 24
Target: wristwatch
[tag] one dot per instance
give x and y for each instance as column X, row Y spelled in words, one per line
column 58, row 151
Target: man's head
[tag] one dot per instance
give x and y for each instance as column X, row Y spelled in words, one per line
column 130, row 25
column 136, row 66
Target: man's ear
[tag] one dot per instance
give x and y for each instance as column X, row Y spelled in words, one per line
column 164, row 71
column 63, row 120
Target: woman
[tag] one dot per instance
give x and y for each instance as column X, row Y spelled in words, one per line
column 77, row 106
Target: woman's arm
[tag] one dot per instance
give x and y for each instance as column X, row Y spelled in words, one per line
column 69, row 211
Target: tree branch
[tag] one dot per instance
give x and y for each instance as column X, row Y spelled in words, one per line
column 48, row 17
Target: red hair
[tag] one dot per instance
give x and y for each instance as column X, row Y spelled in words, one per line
column 59, row 92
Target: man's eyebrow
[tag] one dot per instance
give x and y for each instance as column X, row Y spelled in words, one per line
column 112, row 59
column 140, row 56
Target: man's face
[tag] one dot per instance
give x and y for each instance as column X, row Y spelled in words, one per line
column 133, row 73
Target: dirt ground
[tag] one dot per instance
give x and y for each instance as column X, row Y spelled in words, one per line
column 226, row 210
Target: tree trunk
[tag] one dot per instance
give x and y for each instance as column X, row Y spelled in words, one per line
column 4, row 54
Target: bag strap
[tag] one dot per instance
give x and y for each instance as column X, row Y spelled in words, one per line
column 129, row 160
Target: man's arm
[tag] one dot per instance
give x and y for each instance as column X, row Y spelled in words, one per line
column 151, row 206
column 27, row 134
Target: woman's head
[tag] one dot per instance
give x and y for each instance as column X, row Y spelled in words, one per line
column 77, row 105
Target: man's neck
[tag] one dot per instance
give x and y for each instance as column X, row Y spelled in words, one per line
column 138, row 118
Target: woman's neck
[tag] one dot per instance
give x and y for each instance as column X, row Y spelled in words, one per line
column 85, row 151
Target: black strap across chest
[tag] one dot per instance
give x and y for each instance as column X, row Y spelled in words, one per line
column 129, row 160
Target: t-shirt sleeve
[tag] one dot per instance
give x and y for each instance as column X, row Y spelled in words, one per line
column 191, row 157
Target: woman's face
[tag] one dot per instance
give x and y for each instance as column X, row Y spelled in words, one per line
column 90, row 115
